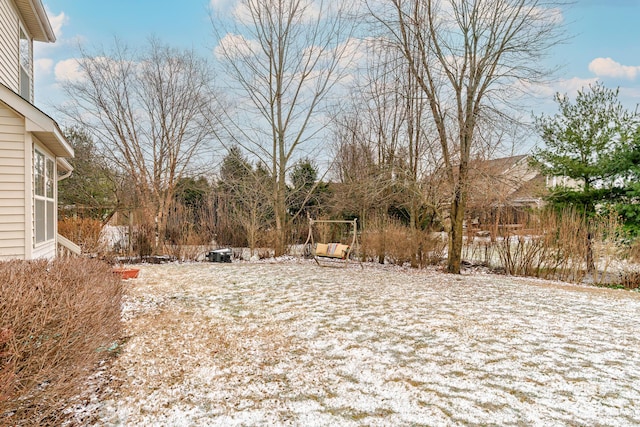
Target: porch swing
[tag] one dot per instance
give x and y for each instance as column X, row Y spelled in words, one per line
column 332, row 252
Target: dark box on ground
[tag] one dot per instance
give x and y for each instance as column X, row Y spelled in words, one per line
column 219, row 255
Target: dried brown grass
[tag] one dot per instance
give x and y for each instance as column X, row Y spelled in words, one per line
column 188, row 231
column 557, row 246
column 630, row 279
column 400, row 245
column 84, row 232
column 173, row 343
column 58, row 320
column 633, row 251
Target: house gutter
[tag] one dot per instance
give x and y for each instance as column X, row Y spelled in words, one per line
column 63, row 164
column 65, row 176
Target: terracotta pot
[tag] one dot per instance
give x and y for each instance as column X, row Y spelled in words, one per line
column 127, row 273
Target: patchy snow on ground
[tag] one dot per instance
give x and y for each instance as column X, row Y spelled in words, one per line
column 291, row 343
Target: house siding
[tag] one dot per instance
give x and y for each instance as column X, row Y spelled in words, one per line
column 12, row 181
column 9, row 47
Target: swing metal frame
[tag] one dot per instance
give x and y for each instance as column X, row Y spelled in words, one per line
column 346, row 257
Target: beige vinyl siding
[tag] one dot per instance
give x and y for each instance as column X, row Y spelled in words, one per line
column 12, row 185
column 12, row 249
column 9, row 138
column 8, row 226
column 9, row 47
column 13, row 172
column 13, row 212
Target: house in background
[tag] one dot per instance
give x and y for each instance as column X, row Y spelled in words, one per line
column 33, row 151
column 503, row 190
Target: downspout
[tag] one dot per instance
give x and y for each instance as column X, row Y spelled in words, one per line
column 65, row 176
column 63, row 164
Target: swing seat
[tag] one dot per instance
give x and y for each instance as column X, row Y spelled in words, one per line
column 332, row 250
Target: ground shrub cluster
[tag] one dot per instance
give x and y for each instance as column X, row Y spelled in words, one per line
column 58, row 320
column 82, row 231
column 401, row 245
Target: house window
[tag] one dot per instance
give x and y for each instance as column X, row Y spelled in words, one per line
column 44, row 182
column 25, row 66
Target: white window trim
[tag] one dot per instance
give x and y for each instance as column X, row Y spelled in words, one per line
column 49, row 200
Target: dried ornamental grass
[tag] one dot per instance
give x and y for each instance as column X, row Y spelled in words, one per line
column 57, row 321
column 83, row 231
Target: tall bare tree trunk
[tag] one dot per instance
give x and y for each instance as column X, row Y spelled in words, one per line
column 285, row 57
column 281, row 214
column 462, row 53
column 456, row 234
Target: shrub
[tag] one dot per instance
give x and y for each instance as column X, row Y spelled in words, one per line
column 555, row 245
column 373, row 245
column 630, row 280
column 142, row 238
column 400, row 245
column 555, row 248
column 82, row 231
column 633, row 250
column 57, row 321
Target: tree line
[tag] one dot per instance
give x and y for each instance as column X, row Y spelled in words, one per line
column 372, row 109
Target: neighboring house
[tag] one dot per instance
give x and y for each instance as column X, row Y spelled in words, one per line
column 32, row 147
column 501, row 190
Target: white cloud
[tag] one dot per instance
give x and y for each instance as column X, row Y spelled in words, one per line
column 43, row 65
column 221, row 5
column 347, row 56
column 607, row 67
column 57, row 22
column 551, row 15
column 547, row 91
column 572, row 86
column 540, row 97
column 46, row 50
column 68, row 70
column 236, row 46
column 306, row 10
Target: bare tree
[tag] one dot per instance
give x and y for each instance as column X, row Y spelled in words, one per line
column 368, row 136
column 364, row 187
column 385, row 155
column 148, row 112
column 284, row 58
column 469, row 58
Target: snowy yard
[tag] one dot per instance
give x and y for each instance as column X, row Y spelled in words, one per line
column 293, row 344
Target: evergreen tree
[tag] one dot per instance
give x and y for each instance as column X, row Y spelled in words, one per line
column 91, row 187
column 305, row 192
column 627, row 203
column 588, row 142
